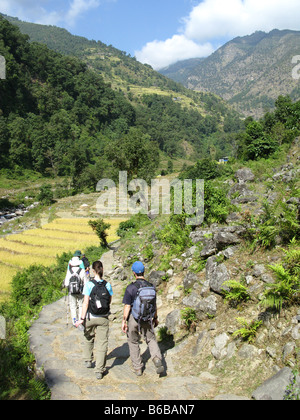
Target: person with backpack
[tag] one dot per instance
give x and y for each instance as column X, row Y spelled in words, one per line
column 95, row 311
column 140, row 317
column 86, row 264
column 74, row 281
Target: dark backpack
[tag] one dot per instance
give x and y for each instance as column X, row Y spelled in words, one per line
column 86, row 262
column 75, row 282
column 144, row 305
column 99, row 304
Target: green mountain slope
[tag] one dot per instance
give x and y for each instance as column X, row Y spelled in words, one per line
column 250, row 72
column 122, row 71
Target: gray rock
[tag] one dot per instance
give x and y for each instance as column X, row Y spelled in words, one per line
column 296, row 332
column 239, row 189
column 267, row 278
column 200, row 235
column 208, row 305
column 192, row 301
column 244, row 175
column 216, row 275
column 209, row 249
column 247, row 351
column 288, row 349
column 191, row 251
column 173, row 320
column 189, row 280
column 258, row 270
column 202, row 342
column 219, row 350
column 156, row 277
column 224, row 239
column 275, row 388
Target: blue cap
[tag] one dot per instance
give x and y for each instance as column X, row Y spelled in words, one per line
column 138, row 267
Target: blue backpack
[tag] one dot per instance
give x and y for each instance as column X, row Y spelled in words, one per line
column 144, row 305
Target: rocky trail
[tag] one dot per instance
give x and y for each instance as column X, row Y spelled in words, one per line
column 207, row 364
column 58, row 351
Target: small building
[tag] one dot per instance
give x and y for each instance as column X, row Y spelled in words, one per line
column 224, row 160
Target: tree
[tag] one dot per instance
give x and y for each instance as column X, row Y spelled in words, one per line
column 134, row 153
column 46, row 195
column 100, row 227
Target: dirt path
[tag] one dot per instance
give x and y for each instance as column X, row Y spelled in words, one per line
column 58, row 351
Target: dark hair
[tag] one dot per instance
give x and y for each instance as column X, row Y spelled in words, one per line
column 98, row 268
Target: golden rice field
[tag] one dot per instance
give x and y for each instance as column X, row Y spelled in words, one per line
column 40, row 246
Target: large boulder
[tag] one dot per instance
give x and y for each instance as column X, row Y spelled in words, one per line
column 276, row 387
column 216, row 275
column 173, row 321
column 243, row 175
column 156, row 277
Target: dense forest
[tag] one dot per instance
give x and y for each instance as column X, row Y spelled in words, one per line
column 59, row 117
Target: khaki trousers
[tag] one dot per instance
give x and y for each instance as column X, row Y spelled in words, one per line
column 75, row 302
column 96, row 342
column 133, row 337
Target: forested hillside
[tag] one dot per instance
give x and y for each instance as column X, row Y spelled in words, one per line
column 148, row 92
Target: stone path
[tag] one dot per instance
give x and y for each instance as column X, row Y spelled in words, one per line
column 58, row 351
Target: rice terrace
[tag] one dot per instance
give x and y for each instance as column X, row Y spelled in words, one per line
column 42, row 245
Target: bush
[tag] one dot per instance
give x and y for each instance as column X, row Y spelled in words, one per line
column 216, row 204
column 135, row 223
column 46, row 195
column 237, row 293
column 175, row 233
column 125, row 227
column 31, row 289
column 284, row 292
column 188, row 315
column 248, row 330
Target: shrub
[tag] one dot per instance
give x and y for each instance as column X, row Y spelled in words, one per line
column 46, row 195
column 188, row 315
column 175, row 234
column 248, row 330
column 125, row 227
column 237, row 293
column 135, row 223
column 216, row 204
column 284, row 292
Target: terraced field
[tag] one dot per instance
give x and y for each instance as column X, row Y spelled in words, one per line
column 40, row 246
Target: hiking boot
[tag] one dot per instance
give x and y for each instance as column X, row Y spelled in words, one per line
column 158, row 364
column 88, row 364
column 138, row 372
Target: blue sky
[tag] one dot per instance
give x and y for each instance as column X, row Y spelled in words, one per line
column 160, row 32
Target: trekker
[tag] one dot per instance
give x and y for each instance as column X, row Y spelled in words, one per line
column 75, row 280
column 137, row 320
column 95, row 311
column 86, row 264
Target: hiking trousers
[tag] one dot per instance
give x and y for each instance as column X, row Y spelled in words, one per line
column 133, row 337
column 75, row 302
column 96, row 342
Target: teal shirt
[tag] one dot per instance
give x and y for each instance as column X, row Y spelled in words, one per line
column 89, row 287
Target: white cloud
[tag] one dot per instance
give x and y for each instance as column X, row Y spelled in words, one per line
column 30, row 10
column 78, row 7
column 161, row 53
column 212, row 21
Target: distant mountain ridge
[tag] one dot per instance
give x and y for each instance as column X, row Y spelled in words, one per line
column 117, row 67
column 250, row 72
